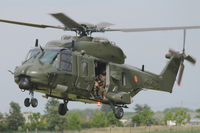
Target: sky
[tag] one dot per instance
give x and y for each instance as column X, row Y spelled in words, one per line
column 148, row 48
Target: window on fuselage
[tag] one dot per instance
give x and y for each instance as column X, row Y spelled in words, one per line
column 32, row 54
column 49, row 56
column 84, row 68
column 66, row 60
column 124, row 79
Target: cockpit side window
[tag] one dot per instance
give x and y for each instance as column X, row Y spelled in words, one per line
column 48, row 56
column 66, row 60
column 32, row 54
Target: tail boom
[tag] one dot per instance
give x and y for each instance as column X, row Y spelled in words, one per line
column 164, row 81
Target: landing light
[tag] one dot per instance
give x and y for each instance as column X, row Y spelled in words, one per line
column 135, row 79
column 99, row 103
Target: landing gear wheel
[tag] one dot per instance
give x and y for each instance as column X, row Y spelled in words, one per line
column 34, row 102
column 119, row 112
column 27, row 102
column 62, row 109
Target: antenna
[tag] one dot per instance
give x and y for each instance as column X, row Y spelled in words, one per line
column 184, row 40
column 36, row 43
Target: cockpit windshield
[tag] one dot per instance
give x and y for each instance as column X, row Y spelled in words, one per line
column 49, row 56
column 32, row 54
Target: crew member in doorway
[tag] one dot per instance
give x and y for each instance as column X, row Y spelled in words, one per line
column 96, row 87
column 102, row 84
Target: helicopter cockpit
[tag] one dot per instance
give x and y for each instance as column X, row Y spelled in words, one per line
column 39, row 60
column 59, row 58
column 47, row 56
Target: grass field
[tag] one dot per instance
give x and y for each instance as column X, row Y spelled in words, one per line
column 152, row 129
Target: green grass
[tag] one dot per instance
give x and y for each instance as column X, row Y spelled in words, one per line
column 28, row 132
column 153, row 129
column 173, row 131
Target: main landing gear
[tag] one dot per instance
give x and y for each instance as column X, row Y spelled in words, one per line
column 118, row 111
column 33, row 101
column 62, row 109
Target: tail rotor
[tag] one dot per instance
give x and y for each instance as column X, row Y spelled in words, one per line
column 183, row 57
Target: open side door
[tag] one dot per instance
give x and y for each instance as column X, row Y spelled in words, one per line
column 85, row 73
column 102, row 78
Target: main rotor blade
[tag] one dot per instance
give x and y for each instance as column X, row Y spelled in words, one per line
column 104, row 24
column 67, row 21
column 190, row 59
column 153, row 29
column 180, row 73
column 31, row 24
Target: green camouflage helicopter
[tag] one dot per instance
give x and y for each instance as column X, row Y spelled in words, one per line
column 91, row 69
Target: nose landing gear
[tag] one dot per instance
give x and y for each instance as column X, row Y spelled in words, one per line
column 27, row 102
column 33, row 101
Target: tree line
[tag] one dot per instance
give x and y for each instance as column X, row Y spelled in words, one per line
column 90, row 118
column 145, row 116
column 51, row 120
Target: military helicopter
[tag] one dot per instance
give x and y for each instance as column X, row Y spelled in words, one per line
column 70, row 68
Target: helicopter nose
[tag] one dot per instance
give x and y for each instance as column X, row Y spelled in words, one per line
column 25, row 73
column 24, row 83
column 31, row 75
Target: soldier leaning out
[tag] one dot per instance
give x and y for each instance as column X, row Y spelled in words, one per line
column 96, row 87
column 102, row 83
column 99, row 86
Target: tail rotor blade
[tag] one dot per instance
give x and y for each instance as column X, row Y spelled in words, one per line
column 180, row 73
column 190, row 59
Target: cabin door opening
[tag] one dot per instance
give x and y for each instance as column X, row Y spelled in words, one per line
column 100, row 68
column 101, row 78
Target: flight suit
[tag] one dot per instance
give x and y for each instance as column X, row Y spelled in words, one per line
column 96, row 87
column 102, row 84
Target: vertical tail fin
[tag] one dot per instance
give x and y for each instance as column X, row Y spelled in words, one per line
column 169, row 73
column 165, row 81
